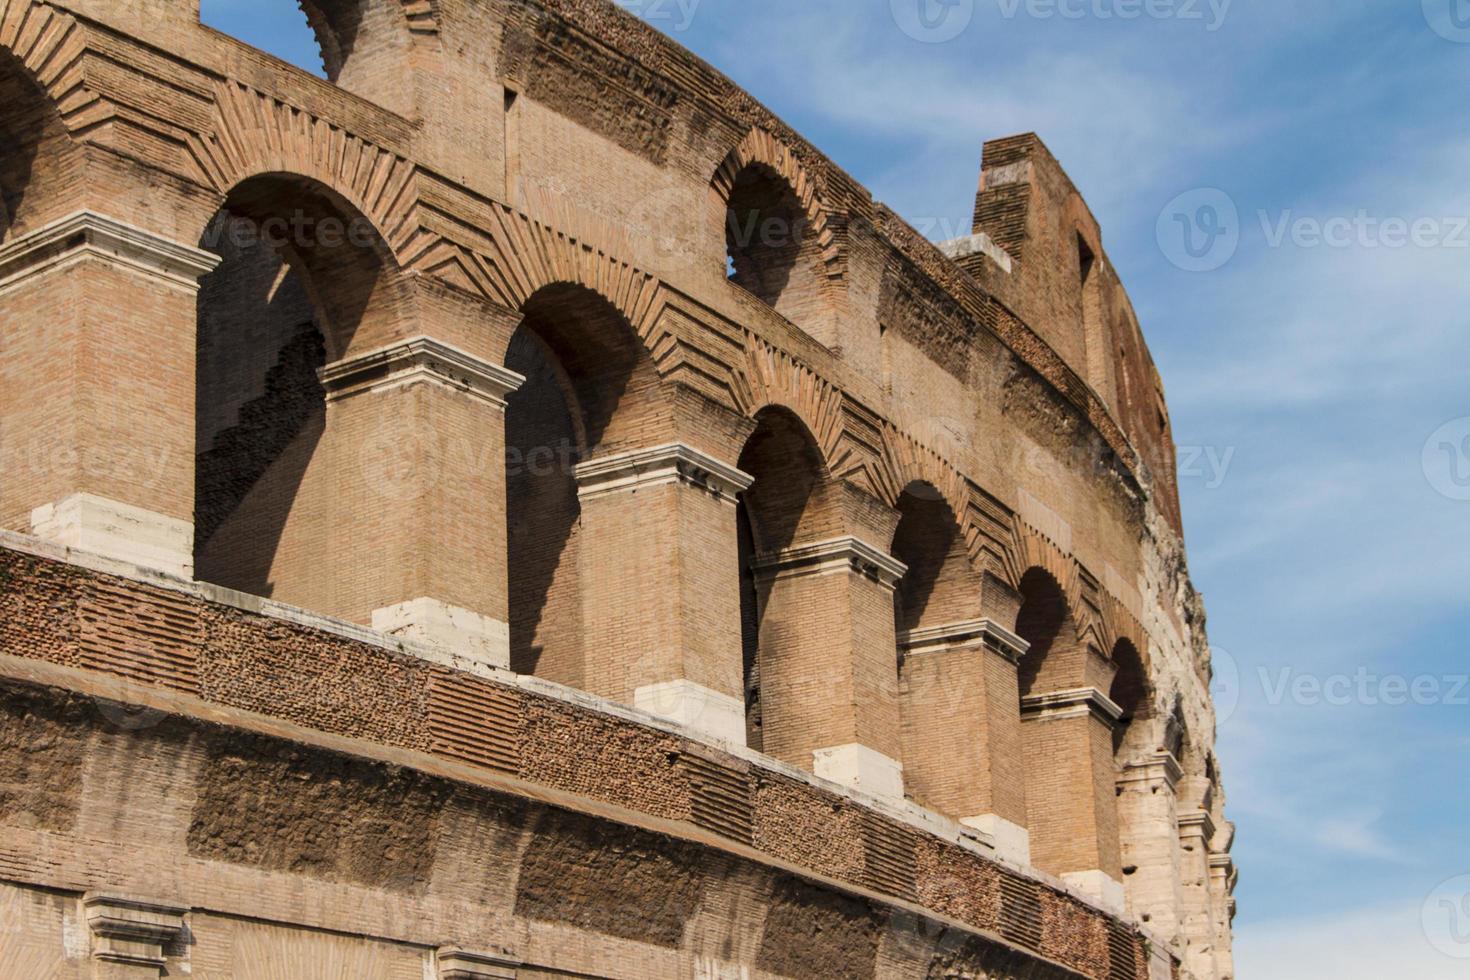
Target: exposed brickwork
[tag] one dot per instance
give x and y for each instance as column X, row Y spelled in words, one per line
column 550, row 185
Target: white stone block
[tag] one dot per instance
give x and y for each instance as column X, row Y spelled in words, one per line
column 450, row 628
column 712, row 714
column 1012, row 842
column 861, row 768
column 1101, row 887
column 119, row 531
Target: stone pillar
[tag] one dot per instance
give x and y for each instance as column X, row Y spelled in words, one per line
column 97, row 329
column 462, row 964
column 1196, row 830
column 1223, row 876
column 829, row 676
column 130, row 936
column 1147, row 816
column 962, row 728
column 415, row 508
column 661, row 585
column 1068, row 744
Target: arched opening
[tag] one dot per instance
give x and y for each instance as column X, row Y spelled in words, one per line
column 1130, row 692
column 791, row 501
column 590, row 391
column 302, row 279
column 940, row 587
column 770, row 250
column 279, row 27
column 1042, row 622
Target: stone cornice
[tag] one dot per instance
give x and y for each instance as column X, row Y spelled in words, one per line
column 417, row 360
column 1197, row 824
column 972, row 633
column 847, row 554
column 88, row 235
column 1160, row 768
column 461, row 964
column 660, row 466
column 131, row 930
column 1077, row 703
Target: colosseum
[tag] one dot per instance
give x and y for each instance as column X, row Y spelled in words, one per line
column 514, row 508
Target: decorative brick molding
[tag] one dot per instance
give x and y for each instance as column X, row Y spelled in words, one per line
column 976, row 633
column 462, row 964
column 87, row 235
column 1081, row 702
column 416, row 361
column 847, row 554
column 131, row 931
column 660, row 466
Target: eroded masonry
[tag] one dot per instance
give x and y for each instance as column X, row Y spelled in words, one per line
column 517, row 509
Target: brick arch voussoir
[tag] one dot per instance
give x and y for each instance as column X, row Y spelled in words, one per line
column 50, row 46
column 762, row 148
column 773, row 378
column 255, row 133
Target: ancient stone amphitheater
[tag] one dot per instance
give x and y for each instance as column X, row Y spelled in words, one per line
column 517, row 509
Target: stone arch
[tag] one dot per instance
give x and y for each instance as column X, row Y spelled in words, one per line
column 304, row 281
column 591, row 391
column 254, row 134
column 49, row 44
column 1132, row 692
column 39, row 159
column 941, row 587
column 760, row 148
column 792, row 501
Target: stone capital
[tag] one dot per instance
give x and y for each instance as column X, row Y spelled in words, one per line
column 847, row 554
column 1153, row 771
column 674, row 463
column 419, row 360
column 1080, row 702
column 462, row 964
column 131, row 930
column 1198, row 824
column 971, row 634
column 87, row 235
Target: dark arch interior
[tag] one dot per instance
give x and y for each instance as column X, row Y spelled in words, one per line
column 935, row 590
column 1129, row 689
column 1039, row 623
column 300, row 277
column 769, row 250
column 589, row 390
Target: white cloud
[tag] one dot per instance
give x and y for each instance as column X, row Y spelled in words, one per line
column 1372, row 944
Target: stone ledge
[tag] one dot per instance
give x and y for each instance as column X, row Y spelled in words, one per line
column 414, row 361
column 131, row 930
column 847, row 554
column 88, row 235
column 660, row 466
column 1080, row 702
column 973, row 633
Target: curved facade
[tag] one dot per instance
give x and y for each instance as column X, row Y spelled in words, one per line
column 518, row 509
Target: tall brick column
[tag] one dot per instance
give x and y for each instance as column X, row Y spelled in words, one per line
column 415, row 443
column 97, row 326
column 829, row 676
column 661, row 585
column 1068, row 743
column 1147, row 814
column 962, row 728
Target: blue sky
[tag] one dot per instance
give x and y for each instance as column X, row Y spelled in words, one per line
column 1318, row 385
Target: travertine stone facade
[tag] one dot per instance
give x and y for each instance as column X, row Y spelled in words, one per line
column 518, row 509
